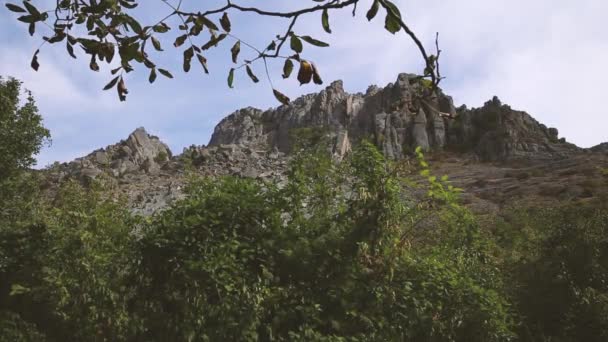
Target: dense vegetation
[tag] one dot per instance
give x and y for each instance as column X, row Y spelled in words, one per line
column 338, row 252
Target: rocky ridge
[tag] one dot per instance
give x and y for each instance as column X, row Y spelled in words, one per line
column 487, row 143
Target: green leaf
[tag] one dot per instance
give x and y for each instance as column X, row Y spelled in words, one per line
column 296, row 43
column 325, row 21
column 152, row 77
column 281, row 97
column 15, row 8
column 135, row 25
column 156, row 44
column 161, row 28
column 392, row 22
column 179, row 41
column 373, row 10
column 235, row 51
column 313, row 41
column 272, row 46
column 251, row 75
column 287, row 68
column 214, row 41
column 31, row 8
column 225, row 22
column 70, row 49
column 17, row 289
column 111, row 84
column 165, row 73
column 231, row 78
column 27, row 19
column 209, row 23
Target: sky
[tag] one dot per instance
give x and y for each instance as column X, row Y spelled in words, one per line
column 547, row 57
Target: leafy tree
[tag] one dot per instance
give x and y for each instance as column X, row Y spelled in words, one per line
column 21, row 137
column 312, row 260
column 21, row 131
column 557, row 269
column 104, row 29
column 67, row 275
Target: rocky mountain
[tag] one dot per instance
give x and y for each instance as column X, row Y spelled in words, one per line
column 496, row 153
column 603, row 147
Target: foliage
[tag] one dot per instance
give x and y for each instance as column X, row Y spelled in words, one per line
column 21, row 130
column 338, row 252
column 109, row 28
column 69, row 274
column 558, row 262
column 241, row 260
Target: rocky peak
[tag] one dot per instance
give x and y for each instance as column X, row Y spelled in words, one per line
column 140, row 152
column 497, row 132
column 603, row 147
column 398, row 119
column 255, row 143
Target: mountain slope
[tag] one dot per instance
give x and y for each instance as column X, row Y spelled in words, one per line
column 500, row 156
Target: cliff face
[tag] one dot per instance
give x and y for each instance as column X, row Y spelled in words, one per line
column 397, row 120
column 529, row 160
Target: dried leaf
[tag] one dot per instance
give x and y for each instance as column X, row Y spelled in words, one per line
column 252, row 75
column 235, row 51
column 122, row 90
column 179, row 41
column 316, row 77
column 225, row 22
column 305, row 73
column 203, row 62
column 281, row 97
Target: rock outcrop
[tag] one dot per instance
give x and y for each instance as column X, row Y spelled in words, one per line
column 139, row 153
column 257, row 144
column 397, row 119
column 497, row 132
column 601, row 148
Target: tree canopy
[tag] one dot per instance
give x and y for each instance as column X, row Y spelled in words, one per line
column 108, row 29
column 21, row 131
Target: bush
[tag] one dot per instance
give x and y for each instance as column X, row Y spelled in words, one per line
column 559, row 263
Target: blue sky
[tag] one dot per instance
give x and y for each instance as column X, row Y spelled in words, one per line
column 544, row 57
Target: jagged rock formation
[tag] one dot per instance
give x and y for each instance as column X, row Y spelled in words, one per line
column 140, row 152
column 497, row 132
column 397, row 119
column 257, row 144
column 392, row 117
column 603, row 147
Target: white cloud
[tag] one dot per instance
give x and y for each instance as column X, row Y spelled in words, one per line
column 54, row 85
column 545, row 57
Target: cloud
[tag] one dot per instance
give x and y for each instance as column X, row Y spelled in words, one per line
column 545, row 57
